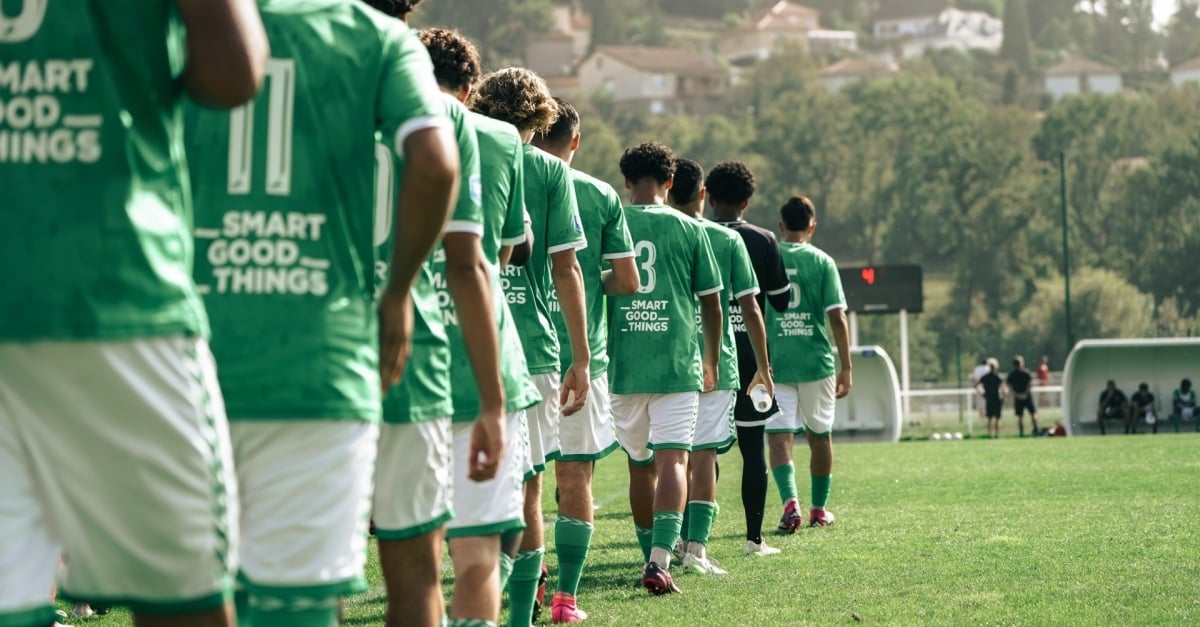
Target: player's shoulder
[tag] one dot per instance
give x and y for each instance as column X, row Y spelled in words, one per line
column 720, row 235
column 498, row 131
column 351, row 18
column 456, row 111
column 542, row 165
column 586, row 182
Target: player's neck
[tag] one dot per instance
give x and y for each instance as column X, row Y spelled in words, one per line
column 694, row 209
column 724, row 213
column 797, row 237
column 647, row 192
column 564, row 154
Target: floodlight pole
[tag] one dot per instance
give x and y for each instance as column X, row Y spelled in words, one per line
column 1062, row 175
column 853, row 328
column 904, row 365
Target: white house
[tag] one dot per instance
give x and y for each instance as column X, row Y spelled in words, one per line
column 909, row 18
column 661, row 79
column 763, row 31
column 957, row 30
column 847, row 71
column 1077, row 76
column 1186, row 72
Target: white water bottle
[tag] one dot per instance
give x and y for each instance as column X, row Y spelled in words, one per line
column 760, row 398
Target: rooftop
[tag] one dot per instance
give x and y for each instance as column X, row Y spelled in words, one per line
column 902, row 9
column 658, row 59
column 1078, row 65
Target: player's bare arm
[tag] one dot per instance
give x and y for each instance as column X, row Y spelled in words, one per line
column 622, row 279
column 227, row 51
column 841, row 336
column 427, row 192
column 712, row 320
column 756, row 327
column 568, row 281
column 467, row 278
column 520, row 253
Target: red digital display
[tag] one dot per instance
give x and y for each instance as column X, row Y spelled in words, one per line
column 868, row 275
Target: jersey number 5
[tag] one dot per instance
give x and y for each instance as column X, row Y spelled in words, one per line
column 281, row 102
column 795, row 300
column 650, row 279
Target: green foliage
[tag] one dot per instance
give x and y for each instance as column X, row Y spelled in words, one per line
column 1104, row 305
column 500, row 28
column 1018, row 40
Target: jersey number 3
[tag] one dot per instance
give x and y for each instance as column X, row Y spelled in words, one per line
column 646, row 265
column 281, row 102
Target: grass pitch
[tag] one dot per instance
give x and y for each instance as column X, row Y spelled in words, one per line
column 1080, row 531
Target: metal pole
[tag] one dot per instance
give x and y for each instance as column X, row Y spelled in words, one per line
column 904, row 365
column 853, row 328
column 959, row 369
column 1062, row 174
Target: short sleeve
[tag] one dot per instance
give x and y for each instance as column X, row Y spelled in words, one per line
column 564, row 229
column 741, row 276
column 615, row 241
column 468, row 211
column 706, row 276
column 832, row 294
column 409, row 98
column 515, row 216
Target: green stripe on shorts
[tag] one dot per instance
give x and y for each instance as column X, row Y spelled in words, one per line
column 486, row 530
column 414, row 531
column 590, row 457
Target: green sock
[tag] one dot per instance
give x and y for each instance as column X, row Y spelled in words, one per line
column 687, row 524
column 522, row 587
column 470, row 622
column 572, row 538
column 820, row 491
column 702, row 515
column 785, row 480
column 667, row 526
column 506, row 568
column 644, row 535
column 315, row 613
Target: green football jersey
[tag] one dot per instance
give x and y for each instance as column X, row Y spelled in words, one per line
column 801, row 348
column 285, row 209
column 502, row 168
column 95, row 230
column 608, row 238
column 653, row 339
column 423, row 392
column 554, row 217
column 738, row 279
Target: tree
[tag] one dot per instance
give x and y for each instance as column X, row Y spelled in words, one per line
column 1103, row 305
column 500, row 28
column 1018, row 40
column 1183, row 33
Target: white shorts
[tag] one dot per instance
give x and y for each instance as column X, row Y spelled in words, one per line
column 648, row 422
column 543, row 421
column 115, row 455
column 306, row 497
column 714, row 421
column 805, row 406
column 414, row 479
column 497, row 505
column 588, row 435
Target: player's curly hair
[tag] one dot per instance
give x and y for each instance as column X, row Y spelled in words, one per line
column 689, row 177
column 730, row 182
column 455, row 59
column 650, row 160
column 517, row 96
column 564, row 128
column 394, row 8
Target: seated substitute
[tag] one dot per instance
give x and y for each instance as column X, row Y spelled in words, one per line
column 1183, row 404
column 1113, row 404
column 1141, row 406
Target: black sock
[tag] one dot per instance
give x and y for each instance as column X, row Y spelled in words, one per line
column 754, row 478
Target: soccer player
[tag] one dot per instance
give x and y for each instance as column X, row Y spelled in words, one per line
column 714, row 419
column 991, row 388
column 1020, row 381
column 656, row 370
column 111, row 422
column 730, row 186
column 486, row 512
column 802, row 353
column 587, row 437
column 285, row 192
column 521, row 98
